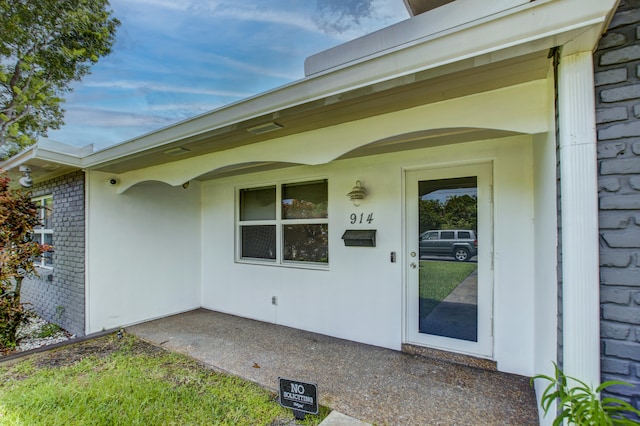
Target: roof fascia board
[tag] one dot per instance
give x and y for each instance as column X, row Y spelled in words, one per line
column 48, row 150
column 64, row 148
column 528, row 28
column 545, row 19
column 19, row 159
column 424, row 26
column 47, row 154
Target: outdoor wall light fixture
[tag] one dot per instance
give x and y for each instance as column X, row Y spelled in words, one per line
column 357, row 194
column 26, row 180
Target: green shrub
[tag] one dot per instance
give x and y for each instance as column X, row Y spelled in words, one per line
column 12, row 315
column 582, row 405
column 18, row 217
column 48, row 330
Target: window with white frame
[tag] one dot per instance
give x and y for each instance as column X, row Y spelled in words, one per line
column 284, row 223
column 43, row 233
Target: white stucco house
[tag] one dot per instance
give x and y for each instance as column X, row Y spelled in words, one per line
column 243, row 209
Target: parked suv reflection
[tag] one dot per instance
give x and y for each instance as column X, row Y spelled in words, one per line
column 462, row 244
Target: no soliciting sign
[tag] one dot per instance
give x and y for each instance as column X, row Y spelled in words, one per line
column 298, row 395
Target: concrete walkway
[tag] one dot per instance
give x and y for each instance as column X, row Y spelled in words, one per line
column 457, row 315
column 372, row 384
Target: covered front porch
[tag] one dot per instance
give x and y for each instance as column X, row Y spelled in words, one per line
column 370, row 383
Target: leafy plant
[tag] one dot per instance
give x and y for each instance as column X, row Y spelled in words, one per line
column 48, row 330
column 580, row 404
column 18, row 217
column 60, row 310
column 458, row 212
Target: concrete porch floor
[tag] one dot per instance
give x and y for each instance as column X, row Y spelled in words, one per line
column 373, row 384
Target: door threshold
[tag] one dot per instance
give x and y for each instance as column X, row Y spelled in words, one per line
column 451, row 357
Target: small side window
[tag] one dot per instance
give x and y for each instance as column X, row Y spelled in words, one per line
column 447, row 235
column 464, row 235
column 43, row 233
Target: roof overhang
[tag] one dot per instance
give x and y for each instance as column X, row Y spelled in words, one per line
column 422, row 60
column 47, row 159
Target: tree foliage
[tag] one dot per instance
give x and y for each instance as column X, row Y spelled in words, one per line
column 45, row 46
column 431, row 213
column 18, row 217
column 305, row 242
column 458, row 212
column 461, row 212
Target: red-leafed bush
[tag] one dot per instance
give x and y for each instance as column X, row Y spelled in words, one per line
column 18, row 217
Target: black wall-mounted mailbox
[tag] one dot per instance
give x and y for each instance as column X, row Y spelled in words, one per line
column 359, row 237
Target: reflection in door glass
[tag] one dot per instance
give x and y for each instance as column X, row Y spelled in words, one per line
column 448, row 299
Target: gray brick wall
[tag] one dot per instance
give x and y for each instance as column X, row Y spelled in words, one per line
column 58, row 295
column 617, row 78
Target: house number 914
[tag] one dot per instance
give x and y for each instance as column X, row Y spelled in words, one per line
column 361, row 218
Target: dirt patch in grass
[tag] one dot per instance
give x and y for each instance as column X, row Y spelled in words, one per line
column 98, row 348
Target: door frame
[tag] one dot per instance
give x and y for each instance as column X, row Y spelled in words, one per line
column 484, row 171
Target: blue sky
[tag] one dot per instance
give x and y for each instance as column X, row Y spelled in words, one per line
column 174, row 59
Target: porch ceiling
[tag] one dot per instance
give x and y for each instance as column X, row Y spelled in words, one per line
column 43, row 169
column 452, row 81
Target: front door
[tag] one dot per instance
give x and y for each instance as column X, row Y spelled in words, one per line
column 449, row 259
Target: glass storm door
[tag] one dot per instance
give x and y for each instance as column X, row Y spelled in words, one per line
column 449, row 259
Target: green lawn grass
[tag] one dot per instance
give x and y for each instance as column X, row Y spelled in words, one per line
column 124, row 381
column 438, row 279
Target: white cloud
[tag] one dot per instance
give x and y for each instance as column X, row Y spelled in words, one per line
column 158, row 87
column 349, row 19
column 178, row 58
column 270, row 16
column 257, row 69
column 192, row 108
column 103, row 128
column 181, row 5
column 381, row 13
column 223, row 10
column 96, row 117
